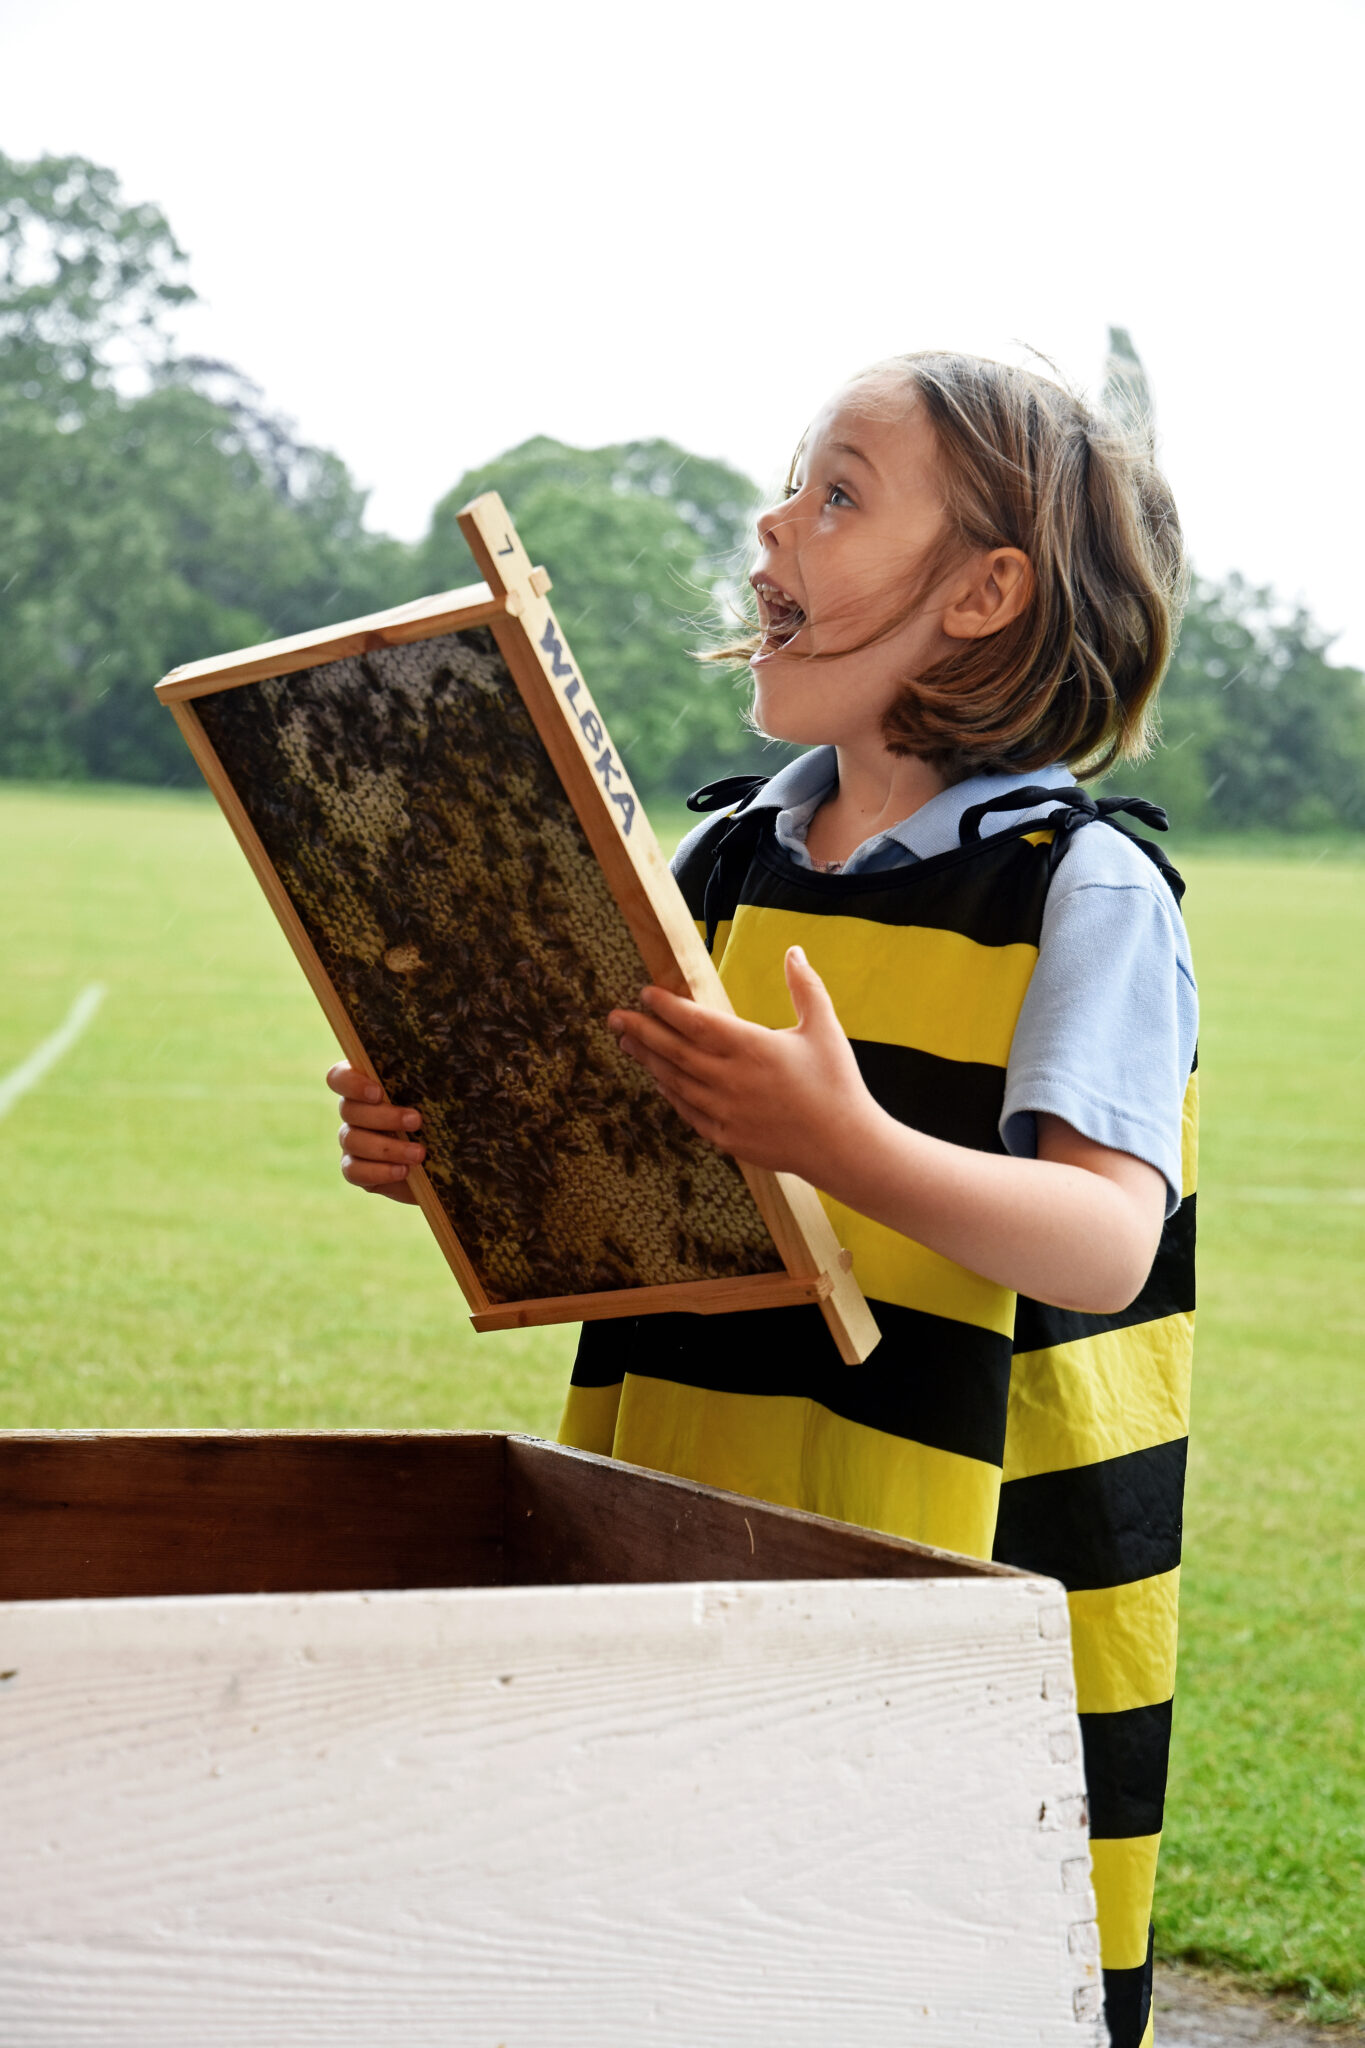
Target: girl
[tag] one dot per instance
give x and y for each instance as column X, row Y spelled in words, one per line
column 970, row 583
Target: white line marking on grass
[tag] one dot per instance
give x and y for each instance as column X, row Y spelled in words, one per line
column 30, row 1072
column 1351, row 1196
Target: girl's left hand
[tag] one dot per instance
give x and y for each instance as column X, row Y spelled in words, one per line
column 782, row 1099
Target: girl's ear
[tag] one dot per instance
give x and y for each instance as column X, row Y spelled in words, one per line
column 995, row 589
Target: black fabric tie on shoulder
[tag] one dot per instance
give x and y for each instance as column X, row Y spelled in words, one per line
column 1079, row 808
column 735, row 846
column 731, row 790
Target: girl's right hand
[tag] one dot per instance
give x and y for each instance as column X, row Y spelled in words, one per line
column 376, row 1137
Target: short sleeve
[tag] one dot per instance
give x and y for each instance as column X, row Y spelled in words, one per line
column 1106, row 1034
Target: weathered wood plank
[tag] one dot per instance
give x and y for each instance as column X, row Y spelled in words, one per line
column 244, row 1512
column 572, row 1518
column 586, row 1817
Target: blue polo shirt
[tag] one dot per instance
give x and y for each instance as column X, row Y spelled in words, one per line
column 1106, row 1034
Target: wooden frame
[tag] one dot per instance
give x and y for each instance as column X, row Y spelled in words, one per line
column 512, row 605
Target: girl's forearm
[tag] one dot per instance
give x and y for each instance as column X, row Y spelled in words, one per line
column 1063, row 1233
column 1078, row 1226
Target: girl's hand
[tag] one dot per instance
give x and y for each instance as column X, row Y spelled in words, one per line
column 377, row 1145
column 780, row 1099
column 1077, row 1226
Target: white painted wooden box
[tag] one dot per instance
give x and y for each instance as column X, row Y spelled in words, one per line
column 471, row 1741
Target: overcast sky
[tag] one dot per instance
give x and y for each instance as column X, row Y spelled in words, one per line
column 430, row 231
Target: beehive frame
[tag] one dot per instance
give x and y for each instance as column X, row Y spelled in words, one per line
column 500, row 635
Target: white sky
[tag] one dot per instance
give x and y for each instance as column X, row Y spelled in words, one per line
column 429, row 231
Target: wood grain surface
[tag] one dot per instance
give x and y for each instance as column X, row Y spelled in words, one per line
column 572, row 1518
column 821, row 1815
column 104, row 1514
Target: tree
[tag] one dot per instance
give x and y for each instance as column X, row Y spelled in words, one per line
column 648, row 545
column 87, row 281
column 156, row 510
column 1259, row 728
column 139, row 530
column 1126, row 394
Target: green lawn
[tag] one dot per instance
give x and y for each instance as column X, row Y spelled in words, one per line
column 182, row 1248
column 1263, row 1869
column 181, row 1251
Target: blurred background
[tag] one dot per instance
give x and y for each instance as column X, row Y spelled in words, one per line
column 280, row 289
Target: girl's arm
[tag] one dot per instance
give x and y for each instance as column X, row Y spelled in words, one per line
column 1076, row 1227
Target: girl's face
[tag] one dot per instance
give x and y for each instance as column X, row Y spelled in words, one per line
column 836, row 562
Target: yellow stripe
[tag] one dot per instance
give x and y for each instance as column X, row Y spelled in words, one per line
column 1189, row 1137
column 906, row 985
column 889, row 1267
column 1149, row 2031
column 1123, row 1644
column 1124, row 1873
column 791, row 1451
column 1099, row 1397
column 589, row 1419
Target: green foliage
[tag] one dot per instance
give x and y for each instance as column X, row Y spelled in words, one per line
column 647, row 544
column 1259, row 728
column 155, row 512
column 86, row 280
column 140, row 530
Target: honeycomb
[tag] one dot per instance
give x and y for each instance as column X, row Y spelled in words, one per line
column 443, row 877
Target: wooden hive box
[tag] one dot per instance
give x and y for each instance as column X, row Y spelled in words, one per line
column 472, row 1741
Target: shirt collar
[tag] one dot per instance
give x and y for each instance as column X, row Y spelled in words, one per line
column 934, row 827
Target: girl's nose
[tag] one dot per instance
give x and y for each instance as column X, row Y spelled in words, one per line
column 770, row 519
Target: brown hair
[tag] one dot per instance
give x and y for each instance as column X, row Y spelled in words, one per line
column 1026, row 464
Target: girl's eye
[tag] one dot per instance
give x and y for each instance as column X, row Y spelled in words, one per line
column 835, row 494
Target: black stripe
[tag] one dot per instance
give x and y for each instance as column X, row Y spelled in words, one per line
column 1167, row 1291
column 1128, row 2002
column 992, row 893
column 959, row 1100
column 1125, row 1770
column 931, row 1380
column 1097, row 1525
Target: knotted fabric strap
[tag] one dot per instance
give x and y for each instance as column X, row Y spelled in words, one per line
column 1077, row 808
column 734, row 847
column 731, row 790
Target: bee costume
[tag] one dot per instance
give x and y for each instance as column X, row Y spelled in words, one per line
column 984, row 1422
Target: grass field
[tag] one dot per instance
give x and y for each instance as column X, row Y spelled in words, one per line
column 180, row 1251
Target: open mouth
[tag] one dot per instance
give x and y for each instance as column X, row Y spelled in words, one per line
column 780, row 616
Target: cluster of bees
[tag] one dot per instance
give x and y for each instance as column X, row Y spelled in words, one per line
column 444, row 879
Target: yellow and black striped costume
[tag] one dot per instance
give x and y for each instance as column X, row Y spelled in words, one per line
column 982, row 1422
